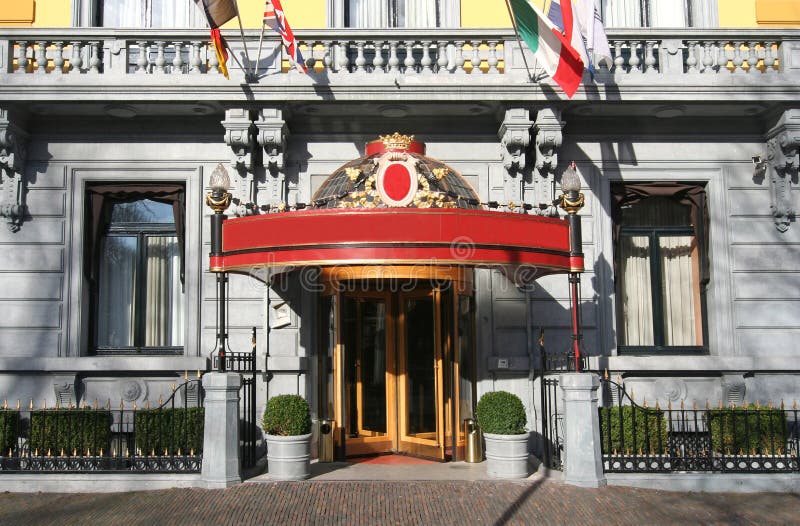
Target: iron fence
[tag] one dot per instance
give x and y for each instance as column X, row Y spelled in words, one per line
column 750, row 438
column 167, row 438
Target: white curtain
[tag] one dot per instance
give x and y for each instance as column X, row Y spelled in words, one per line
column 116, row 291
column 152, row 14
column 622, row 13
column 637, row 296
column 368, row 14
column 408, row 13
column 704, row 13
column 164, row 302
column 679, row 272
column 668, row 13
column 420, row 13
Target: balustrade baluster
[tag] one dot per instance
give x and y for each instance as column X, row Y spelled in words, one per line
column 377, row 60
column 344, row 61
column 394, row 62
column 75, row 60
column 41, row 58
column 160, row 60
column 213, row 61
column 141, row 58
column 619, row 60
column 93, row 54
column 22, row 56
column 708, row 60
column 360, row 60
column 426, row 57
column 753, row 58
column 58, row 58
column 738, row 60
column 769, row 58
column 326, row 56
column 691, row 59
column 177, row 60
column 493, row 61
column 649, row 57
column 409, row 62
column 195, row 62
column 441, row 58
column 460, row 60
column 634, row 60
column 476, row 57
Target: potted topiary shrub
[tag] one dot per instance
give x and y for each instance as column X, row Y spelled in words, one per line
column 287, row 426
column 501, row 417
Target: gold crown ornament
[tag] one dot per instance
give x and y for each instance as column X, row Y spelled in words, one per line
column 397, row 141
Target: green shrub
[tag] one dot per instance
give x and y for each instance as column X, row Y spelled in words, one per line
column 171, row 430
column 9, row 431
column 738, row 431
column 287, row 415
column 70, row 431
column 650, row 426
column 501, row 413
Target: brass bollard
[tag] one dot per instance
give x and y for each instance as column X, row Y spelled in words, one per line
column 473, row 447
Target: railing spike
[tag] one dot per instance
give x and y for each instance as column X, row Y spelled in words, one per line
column 719, row 406
column 101, row 452
column 619, row 379
column 794, row 405
column 173, row 387
column 57, row 405
column 153, row 452
column 147, row 403
column 48, row 452
column 769, row 405
column 185, row 374
column 694, row 405
column 160, row 400
column 644, row 403
column 669, row 405
column 191, row 452
column 44, row 403
column 783, row 407
column 605, row 374
column 683, row 406
column 198, row 374
column 744, row 403
column 165, row 452
column 134, row 405
column 658, row 407
column 179, row 451
column 758, row 405
column 62, row 451
column 18, row 404
column 121, row 404
column 633, row 396
column 708, row 405
column 31, row 404
column 5, row 405
column 733, row 404
column 75, row 452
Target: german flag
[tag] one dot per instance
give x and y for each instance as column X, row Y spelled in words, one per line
column 217, row 12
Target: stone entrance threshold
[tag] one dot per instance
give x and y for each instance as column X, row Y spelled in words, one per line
column 399, row 468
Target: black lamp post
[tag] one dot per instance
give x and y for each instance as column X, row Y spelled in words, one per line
column 572, row 201
column 218, row 200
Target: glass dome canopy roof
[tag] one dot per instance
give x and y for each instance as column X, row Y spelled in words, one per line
column 395, row 173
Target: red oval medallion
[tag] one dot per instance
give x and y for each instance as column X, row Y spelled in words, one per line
column 396, row 181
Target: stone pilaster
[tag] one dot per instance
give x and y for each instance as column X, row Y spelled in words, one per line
column 221, row 467
column 783, row 146
column 583, row 464
column 547, row 130
column 13, row 153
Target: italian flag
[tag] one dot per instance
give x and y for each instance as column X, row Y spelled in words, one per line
column 552, row 49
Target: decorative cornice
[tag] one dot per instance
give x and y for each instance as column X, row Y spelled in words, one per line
column 13, row 153
column 783, row 157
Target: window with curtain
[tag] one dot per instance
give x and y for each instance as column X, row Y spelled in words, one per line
column 136, row 269
column 376, row 14
column 659, row 13
column 661, row 267
column 150, row 14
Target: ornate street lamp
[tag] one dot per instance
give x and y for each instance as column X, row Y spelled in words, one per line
column 572, row 201
column 218, row 200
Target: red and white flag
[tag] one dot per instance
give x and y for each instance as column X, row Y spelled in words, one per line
column 276, row 19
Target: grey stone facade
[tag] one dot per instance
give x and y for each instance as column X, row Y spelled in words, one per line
column 674, row 113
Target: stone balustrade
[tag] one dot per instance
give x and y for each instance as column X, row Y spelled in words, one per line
column 333, row 54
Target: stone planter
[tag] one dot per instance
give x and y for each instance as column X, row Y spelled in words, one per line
column 507, row 455
column 288, row 457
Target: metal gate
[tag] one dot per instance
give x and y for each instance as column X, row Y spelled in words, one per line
column 245, row 363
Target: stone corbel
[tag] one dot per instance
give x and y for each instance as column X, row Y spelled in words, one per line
column 240, row 137
column 515, row 137
column 783, row 154
column 547, row 128
column 272, row 134
column 13, row 153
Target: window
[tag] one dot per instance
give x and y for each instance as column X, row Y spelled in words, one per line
column 659, row 13
column 402, row 13
column 135, row 268
column 150, row 14
column 661, row 266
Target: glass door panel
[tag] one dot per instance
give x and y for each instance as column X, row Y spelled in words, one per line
column 420, row 400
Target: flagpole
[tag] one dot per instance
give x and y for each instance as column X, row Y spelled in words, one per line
column 241, row 31
column 260, row 41
column 519, row 40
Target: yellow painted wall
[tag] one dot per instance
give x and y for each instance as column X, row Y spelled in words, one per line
column 737, row 13
column 16, row 12
column 778, row 13
column 302, row 14
column 53, row 13
column 484, row 13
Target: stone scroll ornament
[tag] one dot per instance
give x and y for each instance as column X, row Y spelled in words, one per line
column 13, row 151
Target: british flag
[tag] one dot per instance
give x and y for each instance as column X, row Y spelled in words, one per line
column 274, row 18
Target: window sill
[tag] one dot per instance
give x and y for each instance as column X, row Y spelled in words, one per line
column 661, row 351
column 102, row 364
column 138, row 351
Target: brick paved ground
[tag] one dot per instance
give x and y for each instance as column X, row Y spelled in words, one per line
column 424, row 503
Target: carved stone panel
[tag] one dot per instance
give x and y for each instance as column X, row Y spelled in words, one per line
column 549, row 138
column 783, row 147
column 13, row 153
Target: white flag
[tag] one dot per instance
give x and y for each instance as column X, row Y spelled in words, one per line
column 594, row 33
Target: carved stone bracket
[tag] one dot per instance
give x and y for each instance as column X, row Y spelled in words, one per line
column 515, row 138
column 783, row 154
column 13, row 153
column 240, row 137
column 272, row 134
column 547, row 128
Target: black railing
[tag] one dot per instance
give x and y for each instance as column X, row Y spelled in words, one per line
column 561, row 362
column 104, row 438
column 751, row 438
